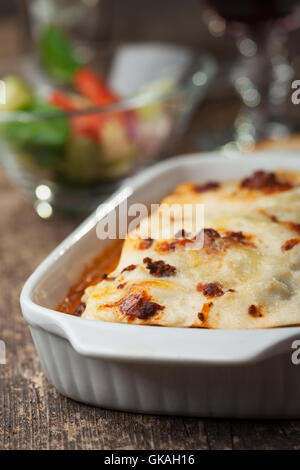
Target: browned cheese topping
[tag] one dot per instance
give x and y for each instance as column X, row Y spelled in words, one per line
column 121, row 286
column 139, row 305
column 205, row 310
column 254, row 311
column 131, row 267
column 213, row 241
column 289, row 244
column 159, row 268
column 209, row 186
column 105, row 277
column 145, row 244
column 169, row 247
column 211, row 289
column 265, row 181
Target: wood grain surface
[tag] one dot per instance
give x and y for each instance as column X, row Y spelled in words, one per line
column 33, row 415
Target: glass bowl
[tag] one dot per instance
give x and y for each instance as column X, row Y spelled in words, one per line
column 73, row 160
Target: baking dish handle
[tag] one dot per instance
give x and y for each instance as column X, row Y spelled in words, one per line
column 137, row 343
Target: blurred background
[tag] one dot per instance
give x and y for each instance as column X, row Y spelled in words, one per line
column 237, row 96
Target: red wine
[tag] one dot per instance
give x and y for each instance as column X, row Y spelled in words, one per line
column 253, row 11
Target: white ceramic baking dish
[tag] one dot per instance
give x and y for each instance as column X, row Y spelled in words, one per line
column 196, row 372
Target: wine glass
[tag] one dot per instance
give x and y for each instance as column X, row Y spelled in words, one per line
column 262, row 78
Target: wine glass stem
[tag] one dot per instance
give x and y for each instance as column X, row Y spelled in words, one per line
column 262, row 80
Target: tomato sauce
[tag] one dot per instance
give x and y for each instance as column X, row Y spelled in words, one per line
column 103, row 264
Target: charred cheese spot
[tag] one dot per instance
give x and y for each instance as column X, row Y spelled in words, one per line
column 254, row 311
column 293, row 226
column 214, row 241
column 105, row 277
column 131, row 267
column 265, row 181
column 159, row 268
column 289, row 244
column 239, row 236
column 145, row 244
column 121, row 286
column 288, row 224
column 169, row 247
column 211, row 234
column 139, row 305
column 205, row 310
column 211, row 289
column 209, row 186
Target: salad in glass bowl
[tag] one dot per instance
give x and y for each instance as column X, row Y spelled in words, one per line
column 71, row 132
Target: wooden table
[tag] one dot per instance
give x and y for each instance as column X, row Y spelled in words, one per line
column 33, row 415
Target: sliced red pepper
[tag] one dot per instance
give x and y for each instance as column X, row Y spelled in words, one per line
column 93, row 87
column 62, row 101
column 87, row 125
column 97, row 91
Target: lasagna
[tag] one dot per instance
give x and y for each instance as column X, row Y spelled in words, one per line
column 245, row 273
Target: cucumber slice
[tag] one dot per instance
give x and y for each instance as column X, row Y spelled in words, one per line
column 17, row 94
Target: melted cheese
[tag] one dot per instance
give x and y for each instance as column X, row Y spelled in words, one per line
column 246, row 275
